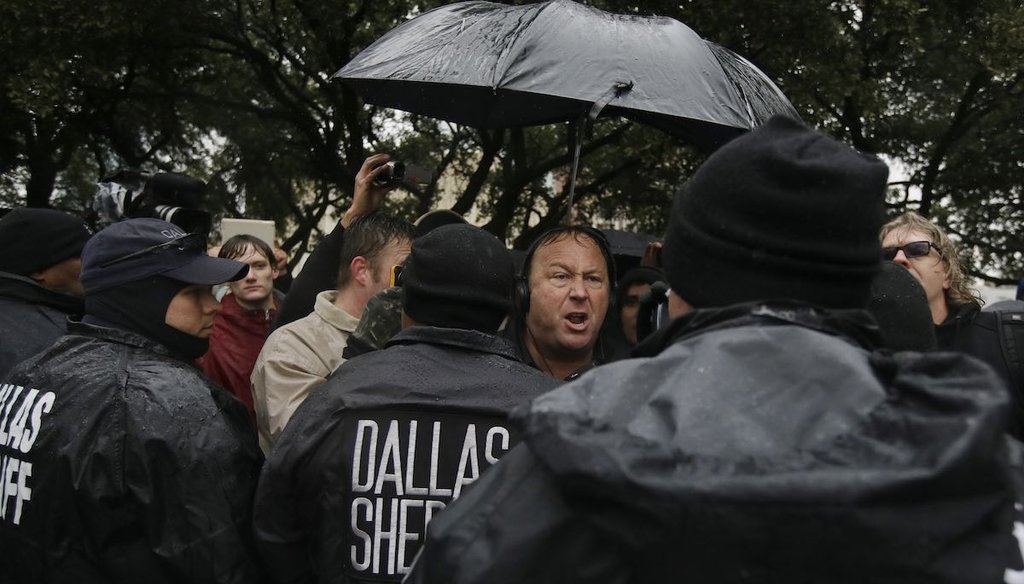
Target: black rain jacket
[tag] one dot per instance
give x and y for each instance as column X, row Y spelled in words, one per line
column 31, row 318
column 970, row 330
column 376, row 452
column 123, row 465
column 763, row 443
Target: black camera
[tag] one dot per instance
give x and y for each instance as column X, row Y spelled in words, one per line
column 399, row 173
column 173, row 197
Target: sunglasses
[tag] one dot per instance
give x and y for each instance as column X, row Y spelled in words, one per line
column 190, row 242
column 914, row 249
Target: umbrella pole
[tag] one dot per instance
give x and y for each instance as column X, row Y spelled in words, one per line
column 570, row 215
column 617, row 89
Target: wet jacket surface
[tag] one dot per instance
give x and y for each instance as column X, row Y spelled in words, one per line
column 428, row 413
column 31, row 318
column 760, row 444
column 128, row 466
column 970, row 330
column 237, row 338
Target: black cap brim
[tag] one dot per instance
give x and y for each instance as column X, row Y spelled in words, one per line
column 208, row 271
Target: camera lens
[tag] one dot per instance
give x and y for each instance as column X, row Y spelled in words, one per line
column 166, row 212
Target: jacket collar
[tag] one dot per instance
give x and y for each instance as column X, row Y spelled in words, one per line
column 97, row 328
column 959, row 314
column 469, row 340
column 857, row 326
column 26, row 290
column 233, row 311
column 336, row 317
column 514, row 335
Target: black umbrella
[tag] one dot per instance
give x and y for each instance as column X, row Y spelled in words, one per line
column 492, row 65
column 627, row 243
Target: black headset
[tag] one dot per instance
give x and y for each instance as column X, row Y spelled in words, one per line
column 521, row 289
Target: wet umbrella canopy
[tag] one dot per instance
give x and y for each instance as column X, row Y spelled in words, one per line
column 493, row 65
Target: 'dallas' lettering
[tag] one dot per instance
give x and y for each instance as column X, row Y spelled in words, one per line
column 21, row 418
column 404, row 472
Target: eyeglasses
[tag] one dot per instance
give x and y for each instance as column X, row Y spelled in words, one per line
column 914, row 249
column 190, row 242
column 396, row 276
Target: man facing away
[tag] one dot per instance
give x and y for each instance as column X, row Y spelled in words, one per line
column 122, row 462
column 39, row 280
column 763, row 440
column 561, row 301
column 242, row 325
column 376, row 453
column 300, row 355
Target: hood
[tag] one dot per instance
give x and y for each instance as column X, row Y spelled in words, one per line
column 756, row 429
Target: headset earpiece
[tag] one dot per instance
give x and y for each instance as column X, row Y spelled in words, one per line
column 521, row 289
column 521, row 296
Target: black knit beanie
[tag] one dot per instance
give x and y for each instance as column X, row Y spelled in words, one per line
column 900, row 307
column 35, row 239
column 458, row 276
column 781, row 212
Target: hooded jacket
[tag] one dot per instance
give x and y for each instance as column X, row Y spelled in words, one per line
column 381, row 448
column 123, row 465
column 31, row 318
column 762, row 443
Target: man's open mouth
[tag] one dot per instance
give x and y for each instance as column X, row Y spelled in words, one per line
column 577, row 318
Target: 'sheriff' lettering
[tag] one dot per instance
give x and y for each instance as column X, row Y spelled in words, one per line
column 21, row 418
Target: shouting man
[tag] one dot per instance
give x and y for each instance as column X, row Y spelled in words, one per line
column 561, row 300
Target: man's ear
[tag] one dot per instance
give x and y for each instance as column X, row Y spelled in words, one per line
column 39, row 276
column 361, row 271
column 677, row 306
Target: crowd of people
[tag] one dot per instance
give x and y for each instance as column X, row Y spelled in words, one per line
column 827, row 403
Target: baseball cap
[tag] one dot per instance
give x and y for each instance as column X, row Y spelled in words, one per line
column 139, row 248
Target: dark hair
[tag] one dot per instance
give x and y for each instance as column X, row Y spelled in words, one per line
column 367, row 236
column 235, row 247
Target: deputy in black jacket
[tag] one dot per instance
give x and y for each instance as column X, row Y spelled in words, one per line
column 39, row 280
column 378, row 451
column 763, row 440
column 122, row 463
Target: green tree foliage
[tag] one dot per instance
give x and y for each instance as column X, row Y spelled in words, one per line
column 934, row 86
column 85, row 84
column 239, row 94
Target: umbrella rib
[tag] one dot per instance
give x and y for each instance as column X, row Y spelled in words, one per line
column 500, row 66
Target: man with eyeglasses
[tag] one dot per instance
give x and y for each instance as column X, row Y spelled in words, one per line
column 121, row 461
column 925, row 250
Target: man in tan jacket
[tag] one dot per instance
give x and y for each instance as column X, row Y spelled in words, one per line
column 300, row 355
